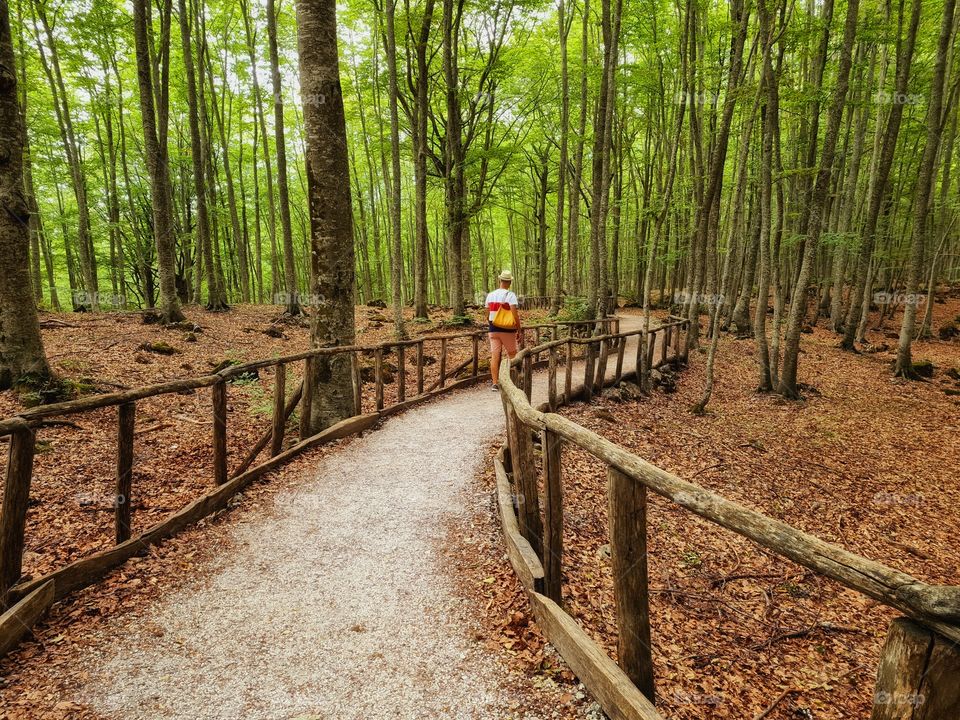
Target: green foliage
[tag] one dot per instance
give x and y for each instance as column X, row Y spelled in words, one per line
column 574, row 308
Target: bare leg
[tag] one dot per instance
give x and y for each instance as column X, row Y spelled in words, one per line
column 495, row 365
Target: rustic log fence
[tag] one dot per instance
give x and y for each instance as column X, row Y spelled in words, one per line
column 919, row 673
column 25, row 602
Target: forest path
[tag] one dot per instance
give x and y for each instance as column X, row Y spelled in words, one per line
column 338, row 603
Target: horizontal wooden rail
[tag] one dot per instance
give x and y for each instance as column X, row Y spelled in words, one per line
column 629, row 477
column 939, row 605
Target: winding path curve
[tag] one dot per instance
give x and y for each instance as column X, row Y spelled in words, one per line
column 336, row 603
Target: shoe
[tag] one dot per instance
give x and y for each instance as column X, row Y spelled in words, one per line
column 495, row 387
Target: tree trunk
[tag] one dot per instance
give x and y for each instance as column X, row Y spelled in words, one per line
column 817, row 208
column 576, row 178
column 564, row 31
column 331, row 218
column 922, row 196
column 880, row 177
column 454, row 185
column 164, row 227
column 292, row 299
column 214, row 301
column 421, row 149
column 396, row 268
column 21, row 348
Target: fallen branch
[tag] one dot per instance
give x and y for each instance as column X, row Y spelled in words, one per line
column 780, row 698
column 825, row 626
column 52, row 322
column 152, row 428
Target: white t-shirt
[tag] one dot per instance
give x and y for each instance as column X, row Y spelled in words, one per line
column 498, row 297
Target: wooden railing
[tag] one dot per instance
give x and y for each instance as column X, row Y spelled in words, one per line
column 27, row 601
column 920, row 665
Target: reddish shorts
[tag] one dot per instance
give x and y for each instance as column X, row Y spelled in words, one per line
column 501, row 342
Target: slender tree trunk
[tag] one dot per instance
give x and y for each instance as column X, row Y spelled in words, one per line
column 421, row 150
column 61, row 103
column 922, row 195
column 880, row 177
column 454, row 177
column 292, row 300
column 239, row 241
column 164, row 228
column 576, row 178
column 275, row 278
column 214, row 300
column 770, row 127
column 563, row 32
column 396, row 268
column 817, row 208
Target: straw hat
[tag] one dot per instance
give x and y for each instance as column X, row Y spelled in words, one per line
column 506, row 276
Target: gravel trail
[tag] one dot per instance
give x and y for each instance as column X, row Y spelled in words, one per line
column 336, row 604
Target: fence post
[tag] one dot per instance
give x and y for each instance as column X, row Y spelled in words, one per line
column 525, row 480
column 122, row 507
column 651, row 349
column 642, row 339
column 553, row 512
column 601, row 376
column 552, row 379
column 676, row 347
column 476, row 355
column 13, row 517
column 220, row 432
column 378, row 373
column 918, row 676
column 686, row 348
column 666, row 343
column 588, row 371
column 420, row 367
column 621, row 348
column 443, row 362
column 401, row 374
column 357, row 383
column 306, row 400
column 627, row 503
column 279, row 404
column 568, row 371
column 528, row 376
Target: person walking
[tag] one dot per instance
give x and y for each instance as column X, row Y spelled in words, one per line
column 504, row 319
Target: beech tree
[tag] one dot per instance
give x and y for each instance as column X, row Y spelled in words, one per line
column 331, row 216
column 21, row 348
column 157, row 157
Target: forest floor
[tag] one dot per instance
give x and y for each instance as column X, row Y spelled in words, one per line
column 328, row 589
column 865, row 461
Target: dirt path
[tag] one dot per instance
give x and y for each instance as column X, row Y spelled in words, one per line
column 337, row 603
